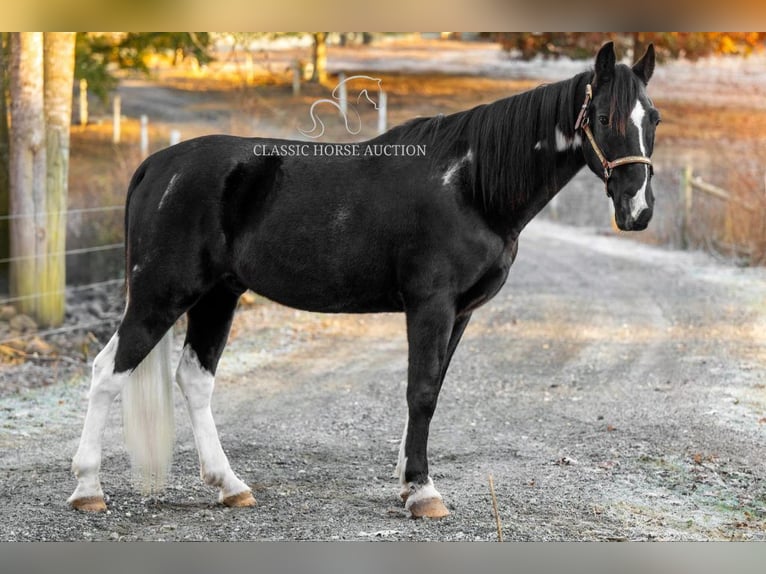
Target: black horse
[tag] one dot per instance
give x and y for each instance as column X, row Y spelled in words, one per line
column 423, row 219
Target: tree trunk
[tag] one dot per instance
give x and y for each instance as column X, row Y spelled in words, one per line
column 4, row 150
column 27, row 168
column 320, row 57
column 637, row 45
column 59, row 78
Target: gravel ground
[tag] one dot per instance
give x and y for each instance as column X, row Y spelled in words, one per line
column 614, row 390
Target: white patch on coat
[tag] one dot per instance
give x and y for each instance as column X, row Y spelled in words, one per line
column 638, row 202
column 197, row 384
column 563, row 143
column 168, row 190
column 455, row 166
column 340, row 218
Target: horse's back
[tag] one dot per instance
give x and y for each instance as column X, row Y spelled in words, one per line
column 338, row 234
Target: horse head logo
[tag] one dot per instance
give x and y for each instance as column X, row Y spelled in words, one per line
column 345, row 110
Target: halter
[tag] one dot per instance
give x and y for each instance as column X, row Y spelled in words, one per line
column 583, row 121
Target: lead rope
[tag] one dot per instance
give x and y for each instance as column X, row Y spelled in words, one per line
column 583, row 122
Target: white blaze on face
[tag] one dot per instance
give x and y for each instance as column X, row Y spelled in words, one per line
column 638, row 202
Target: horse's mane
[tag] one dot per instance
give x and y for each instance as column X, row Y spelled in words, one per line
column 513, row 140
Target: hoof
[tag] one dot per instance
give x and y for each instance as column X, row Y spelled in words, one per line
column 89, row 504
column 241, row 500
column 428, row 508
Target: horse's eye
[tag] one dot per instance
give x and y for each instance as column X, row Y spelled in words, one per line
column 603, row 120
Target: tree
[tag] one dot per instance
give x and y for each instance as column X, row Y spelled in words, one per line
column 59, row 50
column 691, row 45
column 42, row 68
column 319, row 57
column 4, row 146
column 98, row 54
column 27, row 168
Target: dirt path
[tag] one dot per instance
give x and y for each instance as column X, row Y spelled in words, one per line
column 614, row 390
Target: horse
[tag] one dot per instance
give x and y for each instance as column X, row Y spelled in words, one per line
column 432, row 235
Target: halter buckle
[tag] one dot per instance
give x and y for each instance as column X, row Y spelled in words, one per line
column 582, row 117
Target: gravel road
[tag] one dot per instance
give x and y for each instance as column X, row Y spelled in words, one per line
column 615, row 391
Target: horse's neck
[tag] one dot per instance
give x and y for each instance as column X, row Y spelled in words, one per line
column 567, row 166
column 564, row 163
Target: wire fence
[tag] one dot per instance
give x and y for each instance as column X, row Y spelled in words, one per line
column 105, row 319
column 64, row 212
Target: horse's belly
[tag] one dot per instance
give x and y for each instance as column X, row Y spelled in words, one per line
column 318, row 282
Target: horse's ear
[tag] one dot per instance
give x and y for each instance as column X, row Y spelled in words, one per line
column 605, row 61
column 644, row 68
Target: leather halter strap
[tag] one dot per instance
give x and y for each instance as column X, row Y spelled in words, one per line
column 583, row 122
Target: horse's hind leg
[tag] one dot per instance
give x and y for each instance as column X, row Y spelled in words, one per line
column 209, row 323
column 134, row 340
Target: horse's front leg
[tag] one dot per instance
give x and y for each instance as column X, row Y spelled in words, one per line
column 433, row 333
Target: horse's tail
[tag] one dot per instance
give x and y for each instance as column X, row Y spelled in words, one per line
column 147, row 400
column 147, row 410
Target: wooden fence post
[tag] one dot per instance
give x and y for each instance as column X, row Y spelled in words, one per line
column 342, row 94
column 83, row 102
column 296, row 78
column 686, row 204
column 382, row 112
column 116, row 118
column 144, row 135
column 249, row 69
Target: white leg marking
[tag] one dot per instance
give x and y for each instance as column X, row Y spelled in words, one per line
column 401, row 463
column 638, row 202
column 168, row 190
column 105, row 386
column 197, row 386
column 420, row 492
column 411, row 491
column 453, row 169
